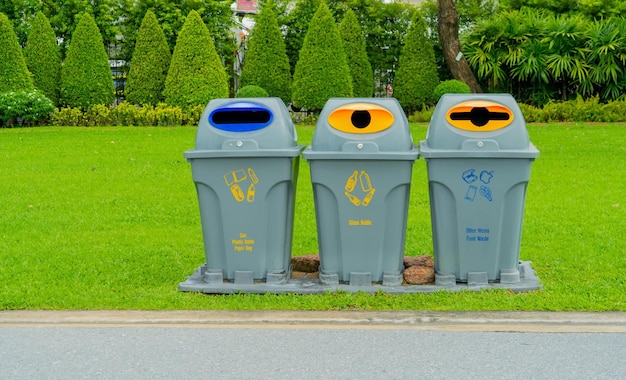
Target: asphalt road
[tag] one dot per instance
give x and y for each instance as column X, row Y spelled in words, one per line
column 311, row 345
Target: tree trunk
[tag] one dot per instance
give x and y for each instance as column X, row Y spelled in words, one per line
column 449, row 37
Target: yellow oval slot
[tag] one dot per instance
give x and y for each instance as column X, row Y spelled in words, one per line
column 479, row 116
column 360, row 118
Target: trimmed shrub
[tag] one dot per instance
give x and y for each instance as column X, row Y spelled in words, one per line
column 297, row 26
column 196, row 74
column 14, row 74
column 452, row 86
column 43, row 57
column 98, row 115
column 149, row 65
column 251, row 91
column 18, row 108
column 266, row 64
column 322, row 71
column 86, row 78
column 416, row 77
column 68, row 117
column 356, row 54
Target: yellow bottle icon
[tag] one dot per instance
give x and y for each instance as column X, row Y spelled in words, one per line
column 364, row 178
column 351, row 183
column 356, row 201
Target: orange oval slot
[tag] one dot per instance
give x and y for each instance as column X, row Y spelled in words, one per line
column 360, row 118
column 479, row 116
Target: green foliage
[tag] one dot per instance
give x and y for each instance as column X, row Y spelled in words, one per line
column 64, row 17
column 451, row 86
column 43, row 57
column 127, row 114
column 266, row 63
column 354, row 47
column 171, row 15
column 24, row 108
column 151, row 60
column 416, row 77
column 14, row 74
column 196, row 74
column 297, row 25
column 322, row 71
column 251, row 91
column 85, row 76
column 539, row 56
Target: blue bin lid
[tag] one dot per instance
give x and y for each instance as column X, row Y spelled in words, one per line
column 245, row 126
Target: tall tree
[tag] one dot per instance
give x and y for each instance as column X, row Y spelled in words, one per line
column 297, row 26
column 354, row 47
column 64, row 17
column 151, row 60
column 322, row 71
column 451, row 47
column 416, row 77
column 266, row 63
column 196, row 74
column 14, row 74
column 43, row 57
column 86, row 76
column 171, row 15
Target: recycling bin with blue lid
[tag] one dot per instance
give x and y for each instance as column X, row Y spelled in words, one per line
column 361, row 160
column 478, row 157
column 245, row 169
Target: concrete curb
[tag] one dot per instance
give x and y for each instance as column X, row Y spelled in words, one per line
column 610, row 322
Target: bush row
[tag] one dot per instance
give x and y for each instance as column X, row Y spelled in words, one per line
column 31, row 108
column 127, row 115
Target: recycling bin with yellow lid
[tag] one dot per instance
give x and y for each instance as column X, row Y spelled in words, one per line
column 361, row 159
column 245, row 169
column 478, row 157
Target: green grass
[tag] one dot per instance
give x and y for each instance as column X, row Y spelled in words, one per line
column 107, row 218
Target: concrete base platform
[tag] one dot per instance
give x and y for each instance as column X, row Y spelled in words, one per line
column 203, row 281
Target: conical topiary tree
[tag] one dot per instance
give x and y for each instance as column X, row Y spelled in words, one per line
column 297, row 25
column 149, row 65
column 196, row 74
column 266, row 64
column 416, row 77
column 14, row 74
column 322, row 71
column 86, row 78
column 356, row 54
column 43, row 57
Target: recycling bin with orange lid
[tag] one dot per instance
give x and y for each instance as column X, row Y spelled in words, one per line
column 478, row 157
column 361, row 160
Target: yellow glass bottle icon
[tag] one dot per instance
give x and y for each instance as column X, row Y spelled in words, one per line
column 366, row 188
column 351, row 183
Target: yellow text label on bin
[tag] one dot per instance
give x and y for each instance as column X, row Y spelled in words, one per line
column 479, row 116
column 361, row 118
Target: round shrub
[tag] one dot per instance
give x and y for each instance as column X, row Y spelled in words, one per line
column 251, row 91
column 19, row 108
column 452, row 86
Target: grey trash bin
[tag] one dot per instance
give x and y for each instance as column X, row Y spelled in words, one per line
column 245, row 168
column 478, row 156
column 361, row 160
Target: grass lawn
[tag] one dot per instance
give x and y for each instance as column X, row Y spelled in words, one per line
column 107, row 218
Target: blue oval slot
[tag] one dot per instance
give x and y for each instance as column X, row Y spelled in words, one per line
column 241, row 117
